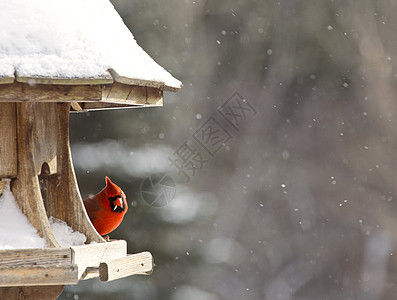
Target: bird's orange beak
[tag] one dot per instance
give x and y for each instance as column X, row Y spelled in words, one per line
column 118, row 202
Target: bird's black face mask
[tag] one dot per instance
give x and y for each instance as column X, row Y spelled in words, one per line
column 117, row 203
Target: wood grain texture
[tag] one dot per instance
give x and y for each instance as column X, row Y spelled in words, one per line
column 134, row 81
column 46, row 128
column 6, row 80
column 38, row 275
column 8, row 140
column 65, row 81
column 49, row 292
column 26, row 187
column 138, row 95
column 118, row 93
column 140, row 263
column 76, row 106
column 43, row 140
column 84, row 97
column 33, row 257
column 62, row 195
column 154, row 97
column 92, row 255
column 129, row 94
column 22, row 92
column 3, row 185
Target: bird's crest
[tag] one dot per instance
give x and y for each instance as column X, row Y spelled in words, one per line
column 112, row 190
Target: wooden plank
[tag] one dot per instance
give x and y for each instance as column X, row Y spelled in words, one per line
column 93, row 254
column 124, row 94
column 118, row 93
column 49, row 292
column 90, row 106
column 138, row 95
column 46, row 130
column 76, row 106
column 89, row 273
column 43, row 257
column 38, row 275
column 3, row 185
column 106, row 88
column 134, row 81
column 22, row 92
column 6, row 79
column 64, row 81
column 8, row 140
column 26, row 187
column 154, row 97
column 140, row 263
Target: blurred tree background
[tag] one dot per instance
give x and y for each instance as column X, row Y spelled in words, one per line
column 300, row 203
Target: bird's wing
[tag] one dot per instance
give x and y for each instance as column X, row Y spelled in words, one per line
column 92, row 206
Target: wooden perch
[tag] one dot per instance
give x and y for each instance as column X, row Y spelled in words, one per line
column 59, row 266
column 141, row 263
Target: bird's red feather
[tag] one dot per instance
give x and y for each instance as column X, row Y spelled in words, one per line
column 98, row 208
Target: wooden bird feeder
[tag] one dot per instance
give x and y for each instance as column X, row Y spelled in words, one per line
column 39, row 87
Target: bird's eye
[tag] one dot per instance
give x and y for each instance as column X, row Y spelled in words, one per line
column 114, row 198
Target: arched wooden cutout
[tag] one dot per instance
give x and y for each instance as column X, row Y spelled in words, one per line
column 63, row 199
column 44, row 151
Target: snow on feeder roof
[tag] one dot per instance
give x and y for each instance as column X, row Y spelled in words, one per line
column 77, row 42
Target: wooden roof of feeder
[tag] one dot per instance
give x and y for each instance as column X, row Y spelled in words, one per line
column 75, row 51
column 57, row 57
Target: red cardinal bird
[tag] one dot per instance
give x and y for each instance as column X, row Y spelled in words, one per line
column 107, row 208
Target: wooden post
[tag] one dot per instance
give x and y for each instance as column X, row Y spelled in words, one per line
column 25, row 186
column 8, row 140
